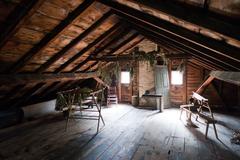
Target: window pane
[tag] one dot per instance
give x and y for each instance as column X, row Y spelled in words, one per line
column 125, row 77
column 177, row 77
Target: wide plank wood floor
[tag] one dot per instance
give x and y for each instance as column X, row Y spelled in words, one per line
column 129, row 133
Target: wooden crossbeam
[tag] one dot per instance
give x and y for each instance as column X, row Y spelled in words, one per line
column 189, row 38
column 21, row 13
column 125, row 50
column 137, row 57
column 49, row 37
column 101, row 81
column 73, row 43
column 198, row 16
column 84, row 50
column 48, row 77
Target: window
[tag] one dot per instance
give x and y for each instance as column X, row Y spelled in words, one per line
column 125, row 77
column 177, row 77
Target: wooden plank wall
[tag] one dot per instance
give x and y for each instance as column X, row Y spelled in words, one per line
column 194, row 78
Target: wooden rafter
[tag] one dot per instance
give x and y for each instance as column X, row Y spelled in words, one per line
column 195, row 41
column 117, row 48
column 84, row 50
column 73, row 43
column 204, row 84
column 110, row 53
column 23, row 11
column 199, row 63
column 49, row 37
column 112, row 41
column 49, row 77
column 163, row 39
column 207, row 20
column 26, row 96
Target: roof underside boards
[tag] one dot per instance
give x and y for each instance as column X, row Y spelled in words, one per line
column 51, row 37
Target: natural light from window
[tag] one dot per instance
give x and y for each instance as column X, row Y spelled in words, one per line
column 125, row 77
column 177, row 78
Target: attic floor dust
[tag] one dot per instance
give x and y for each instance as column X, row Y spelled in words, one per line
column 130, row 133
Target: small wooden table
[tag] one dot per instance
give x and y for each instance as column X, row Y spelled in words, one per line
column 158, row 98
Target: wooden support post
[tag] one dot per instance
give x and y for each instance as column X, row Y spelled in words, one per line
column 204, row 84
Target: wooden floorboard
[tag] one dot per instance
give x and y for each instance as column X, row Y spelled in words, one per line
column 129, row 133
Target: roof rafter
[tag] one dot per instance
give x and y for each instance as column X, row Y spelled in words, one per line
column 49, row 37
column 207, row 20
column 180, row 45
column 119, row 47
column 196, row 41
column 112, row 41
column 84, row 50
column 48, row 77
column 179, row 48
column 20, row 14
column 73, row 43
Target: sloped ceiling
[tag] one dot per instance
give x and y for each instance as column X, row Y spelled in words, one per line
column 48, row 38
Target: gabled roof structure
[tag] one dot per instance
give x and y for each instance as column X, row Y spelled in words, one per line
column 59, row 37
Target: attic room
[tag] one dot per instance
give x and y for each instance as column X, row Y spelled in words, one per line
column 120, row 79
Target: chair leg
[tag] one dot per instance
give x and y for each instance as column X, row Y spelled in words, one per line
column 215, row 130
column 181, row 113
column 206, row 130
column 67, row 120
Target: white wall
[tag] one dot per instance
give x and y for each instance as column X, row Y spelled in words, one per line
column 40, row 109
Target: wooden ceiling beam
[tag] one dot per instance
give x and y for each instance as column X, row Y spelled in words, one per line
column 26, row 96
column 23, row 11
column 84, row 50
column 112, row 41
column 110, row 53
column 179, row 45
column 189, row 38
column 199, row 16
column 49, row 37
column 73, row 43
column 204, row 64
column 48, row 77
column 168, row 43
column 136, row 56
column 120, row 46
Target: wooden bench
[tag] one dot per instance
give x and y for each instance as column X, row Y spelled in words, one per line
column 199, row 103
